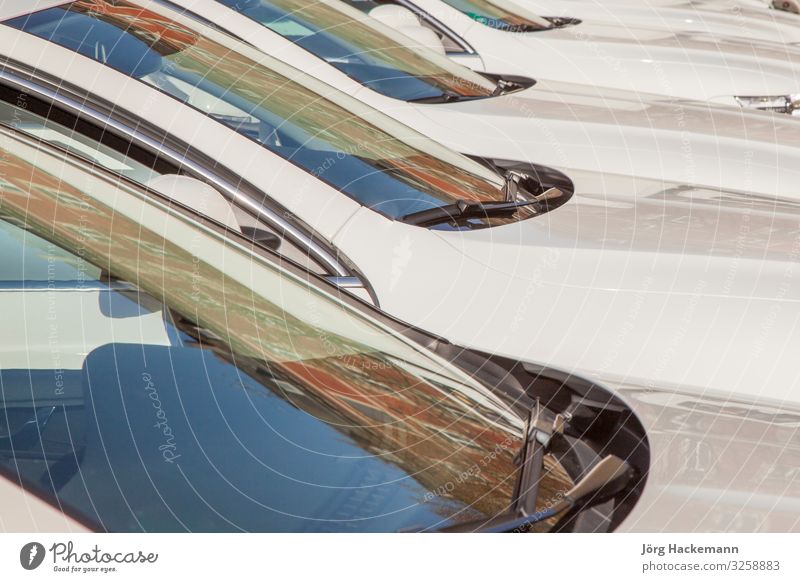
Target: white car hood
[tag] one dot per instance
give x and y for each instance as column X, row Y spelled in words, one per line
column 617, row 132
column 693, row 65
column 634, row 281
column 720, row 18
column 717, row 464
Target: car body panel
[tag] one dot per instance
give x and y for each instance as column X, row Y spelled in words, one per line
column 671, row 288
column 738, row 20
column 676, row 63
column 720, row 464
column 568, row 126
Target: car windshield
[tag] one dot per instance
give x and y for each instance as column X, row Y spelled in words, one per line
column 366, row 50
column 500, row 14
column 369, row 157
column 157, row 376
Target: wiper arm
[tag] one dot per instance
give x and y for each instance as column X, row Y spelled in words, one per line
column 537, row 440
column 503, row 86
column 606, row 480
column 445, row 97
column 464, row 209
column 511, row 187
column 470, row 209
column 531, row 459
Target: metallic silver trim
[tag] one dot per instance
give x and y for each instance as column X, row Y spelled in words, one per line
column 346, row 282
column 269, row 216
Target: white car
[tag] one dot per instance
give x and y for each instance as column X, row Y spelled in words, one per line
column 207, row 386
column 617, row 277
column 157, row 374
column 728, row 18
column 503, row 37
column 567, row 126
column 784, row 5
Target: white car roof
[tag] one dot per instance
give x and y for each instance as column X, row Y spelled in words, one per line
column 13, row 8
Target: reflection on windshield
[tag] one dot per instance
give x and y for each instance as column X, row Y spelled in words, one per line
column 365, row 50
column 500, row 14
column 377, row 167
column 189, row 400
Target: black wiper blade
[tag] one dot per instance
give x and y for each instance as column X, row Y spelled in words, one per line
column 465, row 209
column 604, row 481
column 471, row 209
column 537, row 439
column 445, row 97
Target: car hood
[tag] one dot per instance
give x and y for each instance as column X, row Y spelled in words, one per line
column 721, row 18
column 717, row 463
column 619, row 132
column 643, row 281
column 692, row 65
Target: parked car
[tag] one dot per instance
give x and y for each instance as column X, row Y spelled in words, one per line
column 508, row 38
column 721, row 5
column 730, row 18
column 159, row 372
column 617, row 278
column 565, row 126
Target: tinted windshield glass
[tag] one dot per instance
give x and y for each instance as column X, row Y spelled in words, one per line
column 500, row 14
column 372, row 161
column 365, row 50
column 168, row 380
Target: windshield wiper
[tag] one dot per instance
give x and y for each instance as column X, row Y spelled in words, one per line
column 472, row 209
column 604, row 481
column 465, row 209
column 504, row 86
column 444, row 97
column 537, row 439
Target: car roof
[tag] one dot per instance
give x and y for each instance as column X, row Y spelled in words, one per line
column 13, row 8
